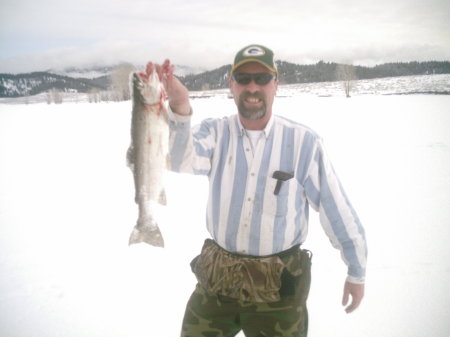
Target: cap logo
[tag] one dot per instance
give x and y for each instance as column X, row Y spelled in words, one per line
column 254, row 51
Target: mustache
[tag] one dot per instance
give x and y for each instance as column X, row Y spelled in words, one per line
column 257, row 94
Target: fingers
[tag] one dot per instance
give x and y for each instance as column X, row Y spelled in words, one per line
column 353, row 306
column 167, row 72
column 346, row 296
column 345, row 300
column 356, row 291
column 148, row 71
column 164, row 71
column 166, row 66
column 149, row 68
column 176, row 92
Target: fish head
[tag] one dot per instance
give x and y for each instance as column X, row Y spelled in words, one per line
column 147, row 91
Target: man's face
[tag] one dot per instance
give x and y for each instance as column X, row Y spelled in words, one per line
column 254, row 101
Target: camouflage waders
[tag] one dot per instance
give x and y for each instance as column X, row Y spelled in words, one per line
column 263, row 296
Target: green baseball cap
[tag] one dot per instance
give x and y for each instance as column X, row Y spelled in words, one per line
column 255, row 53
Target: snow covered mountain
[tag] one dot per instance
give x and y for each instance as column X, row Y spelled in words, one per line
column 319, row 79
column 89, row 72
column 99, row 71
column 67, row 80
column 38, row 82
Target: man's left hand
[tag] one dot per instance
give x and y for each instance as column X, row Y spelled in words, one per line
column 356, row 291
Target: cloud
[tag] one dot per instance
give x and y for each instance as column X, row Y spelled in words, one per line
column 111, row 52
column 52, row 33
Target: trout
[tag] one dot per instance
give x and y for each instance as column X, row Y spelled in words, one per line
column 147, row 155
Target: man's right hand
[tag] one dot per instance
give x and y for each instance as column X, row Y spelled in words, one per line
column 177, row 93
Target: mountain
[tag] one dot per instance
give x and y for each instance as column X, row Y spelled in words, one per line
column 209, row 80
column 99, row 79
column 181, row 70
column 37, row 82
column 89, row 72
column 290, row 73
column 100, row 71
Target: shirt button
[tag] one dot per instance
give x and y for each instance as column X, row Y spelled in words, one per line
column 252, row 174
column 249, row 199
column 247, row 149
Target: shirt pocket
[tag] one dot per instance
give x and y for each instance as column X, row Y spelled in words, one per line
column 277, row 205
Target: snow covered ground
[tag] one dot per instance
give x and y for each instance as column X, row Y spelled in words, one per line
column 66, row 211
column 401, row 85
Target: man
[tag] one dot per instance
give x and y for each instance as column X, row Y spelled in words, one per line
column 264, row 172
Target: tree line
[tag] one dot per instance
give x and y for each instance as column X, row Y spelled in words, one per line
column 115, row 86
column 290, row 73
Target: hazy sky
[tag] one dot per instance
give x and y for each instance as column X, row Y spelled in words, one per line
column 43, row 34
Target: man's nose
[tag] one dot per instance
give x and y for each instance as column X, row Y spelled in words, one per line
column 252, row 86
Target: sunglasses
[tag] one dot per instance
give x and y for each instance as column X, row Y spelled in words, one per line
column 259, row 78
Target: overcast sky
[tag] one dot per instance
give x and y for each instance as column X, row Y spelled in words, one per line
column 42, row 34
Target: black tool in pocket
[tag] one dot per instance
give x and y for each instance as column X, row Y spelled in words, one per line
column 281, row 176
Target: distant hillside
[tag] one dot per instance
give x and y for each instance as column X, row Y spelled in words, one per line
column 39, row 82
column 291, row 73
column 209, row 80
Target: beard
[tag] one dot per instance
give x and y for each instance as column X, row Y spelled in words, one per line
column 252, row 113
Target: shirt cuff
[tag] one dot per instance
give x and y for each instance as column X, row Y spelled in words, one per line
column 356, row 280
column 178, row 117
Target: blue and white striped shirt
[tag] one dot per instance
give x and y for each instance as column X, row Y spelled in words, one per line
column 243, row 213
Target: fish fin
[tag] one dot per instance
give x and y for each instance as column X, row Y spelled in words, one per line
column 162, row 198
column 146, row 234
column 130, row 157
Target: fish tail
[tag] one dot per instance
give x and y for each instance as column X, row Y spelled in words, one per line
column 148, row 234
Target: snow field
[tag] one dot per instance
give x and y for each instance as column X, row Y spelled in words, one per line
column 67, row 209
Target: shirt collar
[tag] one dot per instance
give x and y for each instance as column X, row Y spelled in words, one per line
column 266, row 130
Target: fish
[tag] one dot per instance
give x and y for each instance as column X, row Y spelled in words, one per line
column 148, row 154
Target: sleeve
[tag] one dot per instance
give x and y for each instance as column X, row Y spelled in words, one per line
column 191, row 149
column 337, row 216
